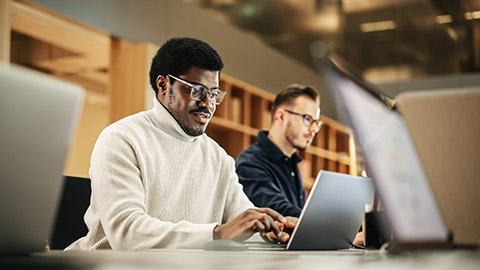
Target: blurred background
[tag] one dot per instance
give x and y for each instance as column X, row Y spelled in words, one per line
column 107, row 46
column 387, row 41
column 399, row 45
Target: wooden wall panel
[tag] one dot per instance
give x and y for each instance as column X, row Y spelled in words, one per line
column 5, row 27
column 127, row 78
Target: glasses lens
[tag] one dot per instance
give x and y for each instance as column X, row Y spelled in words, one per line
column 307, row 120
column 198, row 92
column 217, row 95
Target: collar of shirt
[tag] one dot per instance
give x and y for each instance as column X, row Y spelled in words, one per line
column 272, row 150
column 165, row 121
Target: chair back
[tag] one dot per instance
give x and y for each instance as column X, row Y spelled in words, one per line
column 69, row 225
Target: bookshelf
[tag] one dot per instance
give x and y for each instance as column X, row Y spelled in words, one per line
column 246, row 110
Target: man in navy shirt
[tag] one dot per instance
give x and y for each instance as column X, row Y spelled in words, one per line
column 268, row 169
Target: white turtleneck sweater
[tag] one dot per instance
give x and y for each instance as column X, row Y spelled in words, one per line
column 154, row 186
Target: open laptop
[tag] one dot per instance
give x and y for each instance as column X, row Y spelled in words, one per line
column 391, row 160
column 38, row 117
column 331, row 216
column 445, row 128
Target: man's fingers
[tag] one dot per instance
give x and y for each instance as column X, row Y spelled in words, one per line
column 274, row 214
column 264, row 221
column 256, row 225
column 260, row 227
column 272, row 225
column 267, row 221
column 284, row 237
column 291, row 222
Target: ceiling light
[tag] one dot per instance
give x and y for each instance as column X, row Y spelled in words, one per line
column 326, row 22
column 452, row 33
column 378, row 26
column 476, row 14
column 441, row 19
column 472, row 15
column 250, row 10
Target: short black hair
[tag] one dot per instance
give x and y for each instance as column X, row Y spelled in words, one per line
column 177, row 55
column 291, row 93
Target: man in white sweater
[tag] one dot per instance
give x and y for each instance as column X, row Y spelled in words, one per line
column 158, row 181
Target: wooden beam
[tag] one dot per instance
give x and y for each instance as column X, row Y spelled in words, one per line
column 52, row 28
column 94, row 80
column 127, row 78
column 5, row 30
column 353, row 154
column 71, row 64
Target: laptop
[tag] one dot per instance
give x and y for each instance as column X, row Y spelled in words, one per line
column 331, row 216
column 38, row 117
column 445, row 128
column 391, row 160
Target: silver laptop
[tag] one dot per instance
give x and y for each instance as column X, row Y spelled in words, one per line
column 38, row 117
column 445, row 128
column 332, row 213
column 391, row 161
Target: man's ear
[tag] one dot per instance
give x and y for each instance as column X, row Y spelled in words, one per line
column 278, row 116
column 161, row 84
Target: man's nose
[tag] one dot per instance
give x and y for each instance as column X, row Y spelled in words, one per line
column 207, row 102
column 314, row 128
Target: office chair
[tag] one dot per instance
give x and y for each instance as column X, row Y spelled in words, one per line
column 69, row 225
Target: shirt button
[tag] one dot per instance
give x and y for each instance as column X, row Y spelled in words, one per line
column 286, row 159
column 292, row 173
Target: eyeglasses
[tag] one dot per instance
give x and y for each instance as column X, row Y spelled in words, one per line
column 307, row 119
column 198, row 92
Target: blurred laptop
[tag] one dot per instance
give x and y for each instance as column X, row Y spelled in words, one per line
column 38, row 117
column 332, row 214
column 445, row 127
column 391, row 160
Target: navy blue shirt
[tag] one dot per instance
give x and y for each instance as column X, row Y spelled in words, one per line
column 270, row 178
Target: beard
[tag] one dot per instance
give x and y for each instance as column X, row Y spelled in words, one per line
column 293, row 137
column 181, row 119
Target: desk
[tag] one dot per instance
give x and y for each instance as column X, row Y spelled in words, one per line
column 251, row 260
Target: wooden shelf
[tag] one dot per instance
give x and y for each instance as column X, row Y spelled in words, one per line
column 59, row 45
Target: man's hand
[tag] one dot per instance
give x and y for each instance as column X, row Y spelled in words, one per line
column 359, row 239
column 286, row 228
column 262, row 220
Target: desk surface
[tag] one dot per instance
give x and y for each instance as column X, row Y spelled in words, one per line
column 251, row 260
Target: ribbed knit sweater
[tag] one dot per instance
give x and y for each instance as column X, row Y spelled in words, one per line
column 154, row 186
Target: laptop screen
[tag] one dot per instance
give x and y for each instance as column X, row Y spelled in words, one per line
column 38, row 117
column 391, row 161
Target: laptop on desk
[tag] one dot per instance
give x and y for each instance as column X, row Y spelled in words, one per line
column 331, row 216
column 445, row 128
column 38, row 117
column 391, row 160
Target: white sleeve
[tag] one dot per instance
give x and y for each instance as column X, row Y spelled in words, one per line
column 118, row 195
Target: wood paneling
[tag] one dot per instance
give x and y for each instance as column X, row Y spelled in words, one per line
column 127, row 78
column 5, row 30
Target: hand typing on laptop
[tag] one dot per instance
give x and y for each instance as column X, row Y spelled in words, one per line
column 263, row 220
column 286, row 228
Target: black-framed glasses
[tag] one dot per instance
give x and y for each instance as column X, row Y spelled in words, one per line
column 199, row 92
column 307, row 119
